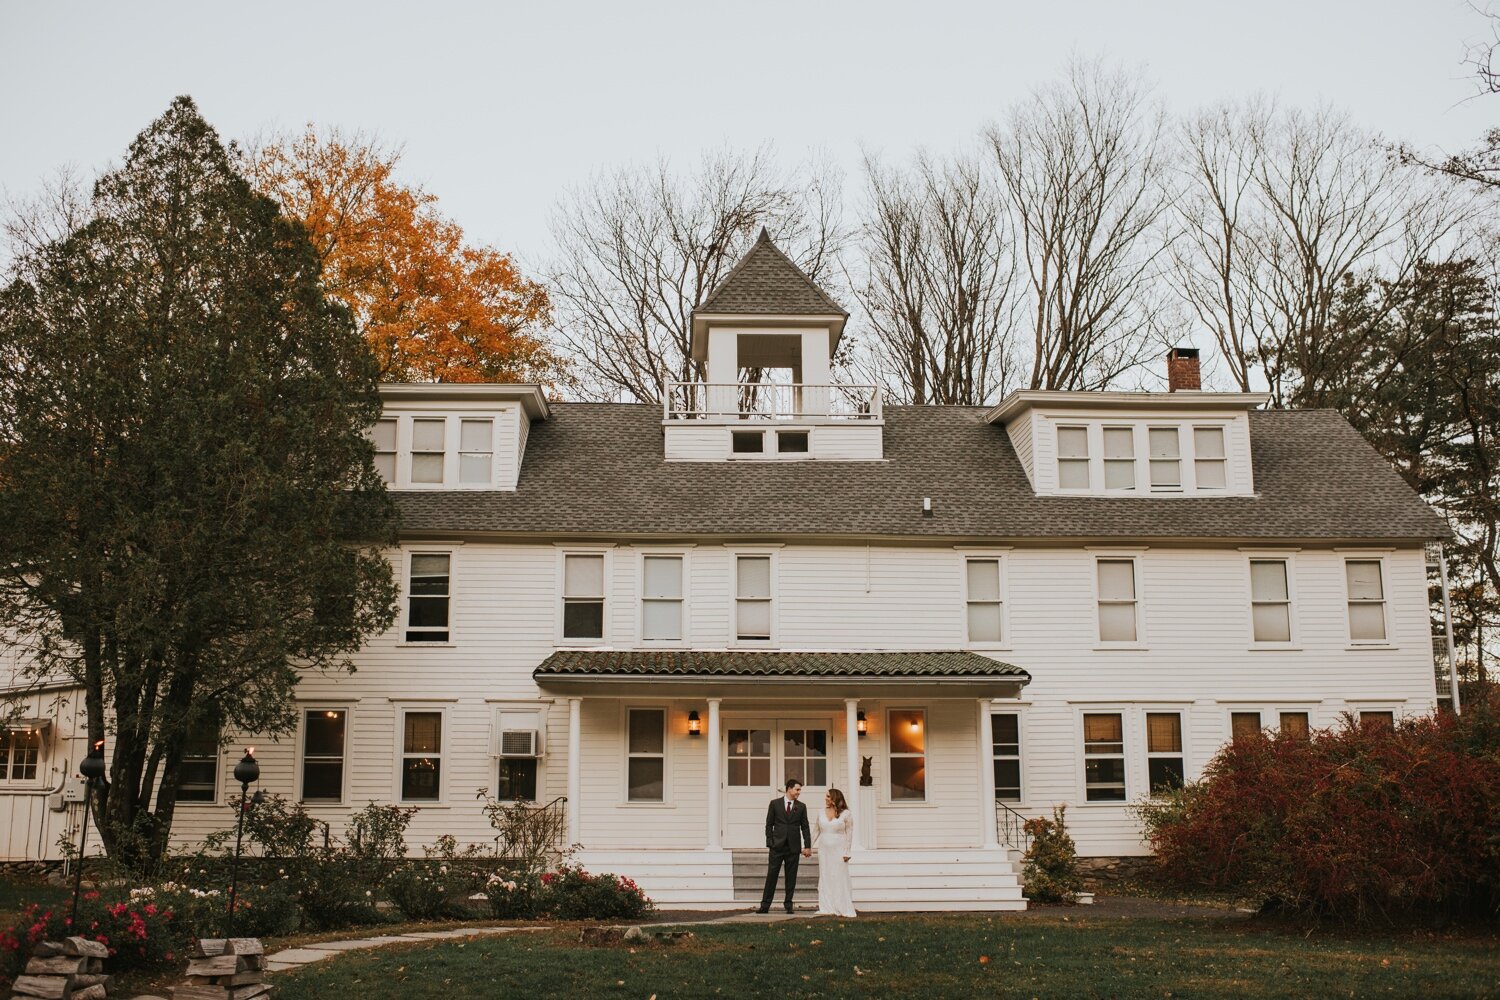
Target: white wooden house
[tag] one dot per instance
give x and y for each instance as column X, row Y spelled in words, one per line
column 957, row 615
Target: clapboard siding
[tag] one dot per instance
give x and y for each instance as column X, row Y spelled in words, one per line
column 1196, row 657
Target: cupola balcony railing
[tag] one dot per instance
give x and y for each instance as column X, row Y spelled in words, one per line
column 770, row 401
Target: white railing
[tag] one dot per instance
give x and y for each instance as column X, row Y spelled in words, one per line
column 765, row 401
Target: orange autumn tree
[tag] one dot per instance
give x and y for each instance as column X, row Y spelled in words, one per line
column 435, row 308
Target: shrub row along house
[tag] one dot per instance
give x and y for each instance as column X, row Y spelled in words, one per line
column 957, row 615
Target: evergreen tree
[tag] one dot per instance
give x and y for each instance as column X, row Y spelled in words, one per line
column 190, row 510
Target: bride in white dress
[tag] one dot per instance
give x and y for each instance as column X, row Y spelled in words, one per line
column 833, row 838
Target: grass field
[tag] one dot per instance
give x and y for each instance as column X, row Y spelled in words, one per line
column 935, row 957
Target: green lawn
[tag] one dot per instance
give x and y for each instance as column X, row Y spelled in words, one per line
column 934, row 957
column 15, row 893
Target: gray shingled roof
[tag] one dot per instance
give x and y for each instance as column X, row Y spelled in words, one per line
column 693, row 663
column 597, row 469
column 766, row 281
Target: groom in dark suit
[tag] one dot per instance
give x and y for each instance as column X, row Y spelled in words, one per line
column 789, row 840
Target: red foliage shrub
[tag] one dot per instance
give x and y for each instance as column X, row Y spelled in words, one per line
column 1357, row 822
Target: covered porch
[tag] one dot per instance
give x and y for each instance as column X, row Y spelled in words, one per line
column 673, row 757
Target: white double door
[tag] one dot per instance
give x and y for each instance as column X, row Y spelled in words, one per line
column 760, row 753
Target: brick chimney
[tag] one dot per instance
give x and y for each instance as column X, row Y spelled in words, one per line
column 1182, row 369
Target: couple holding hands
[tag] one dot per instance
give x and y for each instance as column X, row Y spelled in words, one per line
column 789, row 838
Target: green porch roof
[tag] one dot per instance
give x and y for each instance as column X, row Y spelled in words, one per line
column 687, row 663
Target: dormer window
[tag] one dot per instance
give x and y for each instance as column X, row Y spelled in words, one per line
column 476, row 456
column 1073, row 458
column 1166, row 458
column 384, row 436
column 427, row 435
column 435, row 450
column 1208, row 458
column 1119, row 458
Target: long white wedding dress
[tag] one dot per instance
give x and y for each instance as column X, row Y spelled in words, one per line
column 834, row 838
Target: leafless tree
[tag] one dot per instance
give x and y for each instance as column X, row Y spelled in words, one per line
column 640, row 247
column 939, row 292
column 59, row 207
column 1281, row 208
column 1082, row 165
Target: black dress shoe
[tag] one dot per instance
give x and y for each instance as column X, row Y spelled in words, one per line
column 789, row 909
column 763, row 910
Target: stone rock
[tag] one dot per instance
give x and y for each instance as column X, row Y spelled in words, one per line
column 633, row 934
column 601, row 936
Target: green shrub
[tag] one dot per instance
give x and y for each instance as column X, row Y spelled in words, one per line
column 1050, row 867
column 260, row 910
column 425, row 891
column 139, row 935
column 515, row 895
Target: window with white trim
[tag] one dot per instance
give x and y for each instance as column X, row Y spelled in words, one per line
column 1103, row 757
column 1005, row 735
column 428, row 448
column 1164, row 764
column 324, row 732
column 1117, row 601
column 661, row 598
column 752, row 598
column 1366, row 600
column 428, row 591
column 583, row 596
column 1208, row 458
column 383, row 434
column 1295, row 725
column 198, row 774
column 1072, row 458
column 421, row 755
column 20, row 754
column 476, row 450
column 520, row 740
column 908, row 755
column 1382, row 719
column 1243, row 725
column 1166, row 458
column 1270, row 601
column 1119, row 458
column 985, row 603
column 646, row 755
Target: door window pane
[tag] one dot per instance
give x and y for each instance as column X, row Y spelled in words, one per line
column 804, row 756
column 749, row 758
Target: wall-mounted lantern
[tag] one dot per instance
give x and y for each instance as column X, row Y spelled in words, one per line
column 862, row 725
column 695, row 726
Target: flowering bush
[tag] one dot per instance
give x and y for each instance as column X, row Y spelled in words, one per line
column 260, row 910
column 514, row 895
column 139, row 935
column 433, row 892
column 1357, row 822
column 570, row 893
column 1050, row 868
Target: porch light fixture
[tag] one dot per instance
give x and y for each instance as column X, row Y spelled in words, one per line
column 861, row 725
column 695, row 727
column 915, row 725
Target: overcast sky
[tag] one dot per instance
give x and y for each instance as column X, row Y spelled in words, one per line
column 500, row 106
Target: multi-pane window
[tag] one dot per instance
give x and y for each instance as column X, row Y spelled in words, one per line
column 1005, row 734
column 1166, row 458
column 1244, row 724
column 427, row 597
column 661, row 598
column 383, row 434
column 520, row 743
column 198, row 775
column 1117, row 601
column 427, row 448
column 20, row 754
column 1103, row 757
column 1073, row 458
column 1270, row 601
column 1294, row 724
column 421, row 756
column 1366, row 600
column 985, row 604
column 646, row 755
column 1208, row 458
column 750, row 758
column 908, row 755
column 1164, row 751
column 583, row 596
column 476, row 450
column 752, row 598
column 1119, row 458
column 804, row 756
column 323, row 733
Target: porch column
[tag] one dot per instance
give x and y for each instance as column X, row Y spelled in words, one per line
column 575, row 750
column 851, row 738
column 987, row 774
column 715, row 780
